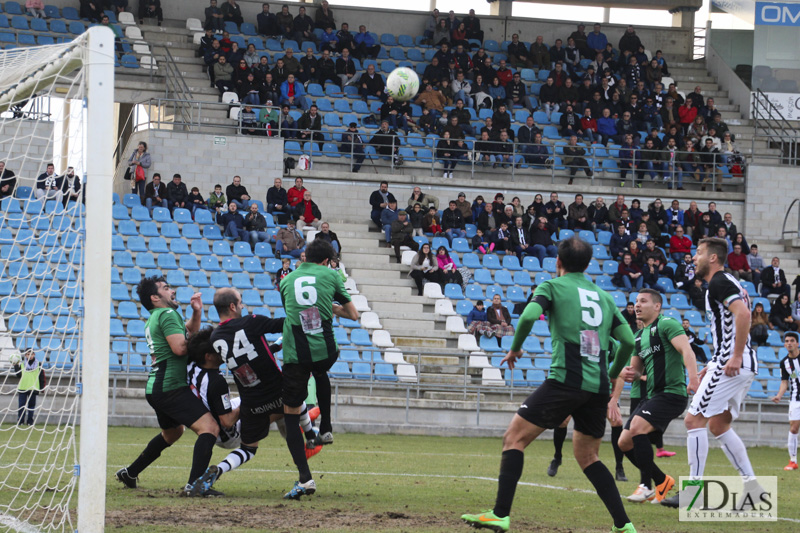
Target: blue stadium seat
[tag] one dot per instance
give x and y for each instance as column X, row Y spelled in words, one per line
column 531, row 264
column 610, row 267
column 541, row 329
column 492, row 261
column 511, row 263
column 489, row 345
column 516, row 295
column 492, row 290
column 503, row 277
column 360, row 337
column 474, row 292
column 483, row 276
column 522, row 278
column 340, row 370
column 471, row 260
column 453, row 291
column 679, row 301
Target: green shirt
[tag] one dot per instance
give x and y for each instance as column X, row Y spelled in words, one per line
column 581, row 317
column 169, row 370
column 308, row 294
column 636, row 389
column 662, row 362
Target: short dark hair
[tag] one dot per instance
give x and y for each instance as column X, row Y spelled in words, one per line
column 792, row 334
column 223, row 300
column 146, row 288
column 654, row 293
column 716, row 246
column 385, row 183
column 198, row 345
column 318, row 251
column 575, row 254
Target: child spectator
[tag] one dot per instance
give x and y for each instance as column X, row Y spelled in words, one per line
column 195, row 200
column 431, row 223
column 416, row 216
column 216, row 198
column 501, row 238
column 286, row 268
column 477, row 321
column 484, row 245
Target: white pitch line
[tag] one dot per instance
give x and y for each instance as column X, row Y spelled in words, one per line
column 17, row 525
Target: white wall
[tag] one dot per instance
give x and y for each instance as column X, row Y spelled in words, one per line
column 26, row 146
column 770, row 191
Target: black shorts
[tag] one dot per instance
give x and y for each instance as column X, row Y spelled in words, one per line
column 177, row 407
column 660, row 410
column 552, row 402
column 295, row 379
column 256, row 420
column 635, row 403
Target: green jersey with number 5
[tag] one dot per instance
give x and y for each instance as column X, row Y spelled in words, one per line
column 581, row 317
column 308, row 294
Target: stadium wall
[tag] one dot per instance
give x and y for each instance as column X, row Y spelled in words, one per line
column 30, row 140
column 770, row 191
column 676, row 43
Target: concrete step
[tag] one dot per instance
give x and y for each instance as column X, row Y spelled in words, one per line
column 387, row 309
column 420, row 342
column 388, row 291
column 365, row 242
column 425, row 327
column 444, row 379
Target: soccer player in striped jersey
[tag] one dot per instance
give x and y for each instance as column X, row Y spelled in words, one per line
column 790, row 380
column 582, row 319
column 724, row 382
column 663, row 353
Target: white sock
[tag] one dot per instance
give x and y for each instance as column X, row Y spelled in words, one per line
column 235, row 459
column 793, row 447
column 697, row 444
column 305, row 420
column 736, row 452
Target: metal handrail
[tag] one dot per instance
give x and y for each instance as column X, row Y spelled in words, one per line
column 769, row 124
column 786, row 219
column 175, row 86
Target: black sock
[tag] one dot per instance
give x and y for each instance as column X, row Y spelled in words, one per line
column 150, row 453
column 294, row 440
column 324, row 402
column 203, row 448
column 657, row 439
column 603, row 483
column 559, row 435
column 618, row 455
column 632, row 457
column 510, row 471
column 643, row 451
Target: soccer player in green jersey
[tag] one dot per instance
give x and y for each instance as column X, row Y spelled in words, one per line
column 167, row 390
column 582, row 319
column 662, row 352
column 309, row 348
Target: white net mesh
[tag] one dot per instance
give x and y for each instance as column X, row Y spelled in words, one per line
column 42, row 121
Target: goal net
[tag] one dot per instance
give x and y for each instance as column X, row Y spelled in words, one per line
column 54, row 245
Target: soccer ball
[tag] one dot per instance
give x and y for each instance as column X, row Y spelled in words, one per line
column 15, row 359
column 402, row 84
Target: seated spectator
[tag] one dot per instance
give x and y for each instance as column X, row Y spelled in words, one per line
column 598, row 215
column 330, row 237
column 650, row 250
column 780, row 316
column 292, row 94
column 628, row 160
column 573, row 160
column 214, row 18
column 268, row 119
column 453, row 223
column 650, row 275
column 232, row 223
column 237, row 194
column 473, row 26
column 285, row 270
column 279, row 72
column 431, row 100
column 256, row 226
column 371, row 84
column 70, row 187
column 542, row 241
column 499, row 318
column 231, row 12
column 519, row 239
column 684, row 275
column 738, row 266
column 606, row 126
column 578, row 214
column 431, row 222
column 760, row 325
column 402, row 231
column 296, row 192
column 629, row 275
column 8, row 181
column 679, row 245
column 388, row 215
column 618, row 246
column 289, row 129
column 773, row 280
column 329, row 40
column 441, row 33
column 35, row 8
column 477, row 321
column 365, row 45
column 651, row 159
column 697, row 130
column 518, row 53
column 710, row 158
column 249, row 121
column 449, row 152
column 310, row 126
column 151, row 9
column 307, row 213
column 278, row 202
column 223, row 75
column 215, row 199
column 447, row 268
column 589, row 126
column 323, row 17
column 424, row 267
column 345, row 39
column 756, row 264
column 304, row 27
column 386, row 142
column 289, row 241
column 195, row 200
column 285, row 23
column 430, row 25
column 48, row 185
column 177, row 195
column 539, row 56
column 482, row 243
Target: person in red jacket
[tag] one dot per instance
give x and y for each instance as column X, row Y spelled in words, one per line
column 679, row 245
column 295, row 194
column 738, row 265
column 687, row 113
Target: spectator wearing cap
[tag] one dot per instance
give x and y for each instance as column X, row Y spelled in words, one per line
column 402, row 231
column 353, row 144
column 465, row 207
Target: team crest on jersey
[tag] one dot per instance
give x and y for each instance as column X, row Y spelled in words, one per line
column 226, row 401
column 653, row 330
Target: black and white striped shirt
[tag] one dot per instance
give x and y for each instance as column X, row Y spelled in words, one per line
column 210, row 386
column 723, row 290
column 790, row 371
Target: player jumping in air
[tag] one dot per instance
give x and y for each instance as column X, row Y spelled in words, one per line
column 790, row 380
column 663, row 353
column 727, row 377
column 167, row 390
column 582, row 319
column 309, row 347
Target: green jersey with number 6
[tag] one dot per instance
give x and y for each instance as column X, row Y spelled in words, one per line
column 308, row 294
column 169, row 370
column 581, row 317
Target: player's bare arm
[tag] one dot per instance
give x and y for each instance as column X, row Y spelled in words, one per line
column 177, row 343
column 781, row 391
column 347, row 310
column 614, row 416
column 228, row 420
column 193, row 324
column 742, row 319
column 681, row 343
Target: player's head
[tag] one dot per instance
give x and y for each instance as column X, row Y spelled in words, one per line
column 228, row 303
column 791, row 339
column 320, row 252
column 712, row 253
column 648, row 305
column 155, row 292
column 200, row 350
column 574, row 255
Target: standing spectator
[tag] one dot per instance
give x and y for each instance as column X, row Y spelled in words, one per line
column 773, row 280
column 214, row 17
column 353, row 145
column 278, row 202
column 629, row 42
column 402, row 231
column 285, row 22
column 596, row 41
column 71, row 187
column 473, row 26
column 155, row 194
column 215, row 199
column 756, row 264
column 289, row 241
column 430, row 25
column 581, row 40
column 237, row 193
column 32, row 380
column 8, row 181
column 292, row 93
column 266, row 21
column 307, row 213
column 48, row 185
column 151, row 9
column 574, row 161
column 256, row 226
column 539, row 54
column 232, row 223
column 195, row 200
column 365, row 45
column 452, row 223
column 177, row 194
column 295, row 193
column 138, row 162
column 310, row 126
column 231, row 12
column 323, row 17
column 542, row 241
